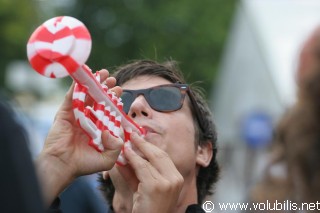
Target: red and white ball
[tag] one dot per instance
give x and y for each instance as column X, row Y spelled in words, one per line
column 59, row 47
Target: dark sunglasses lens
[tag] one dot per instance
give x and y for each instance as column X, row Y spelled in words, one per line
column 165, row 98
column 127, row 100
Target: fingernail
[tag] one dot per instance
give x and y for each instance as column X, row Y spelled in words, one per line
column 127, row 146
column 133, row 135
column 105, row 175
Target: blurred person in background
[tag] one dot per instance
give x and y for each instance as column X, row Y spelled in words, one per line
column 83, row 196
column 294, row 170
column 20, row 191
column 176, row 167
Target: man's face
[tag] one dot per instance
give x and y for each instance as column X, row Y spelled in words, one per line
column 173, row 132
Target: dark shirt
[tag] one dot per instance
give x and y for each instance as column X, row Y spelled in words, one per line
column 55, row 208
column 20, row 191
column 195, row 208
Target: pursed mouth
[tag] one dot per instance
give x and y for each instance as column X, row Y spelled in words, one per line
column 148, row 130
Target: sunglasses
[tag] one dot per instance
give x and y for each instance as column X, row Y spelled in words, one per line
column 163, row 98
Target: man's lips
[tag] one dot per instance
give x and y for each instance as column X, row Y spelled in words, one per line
column 148, row 130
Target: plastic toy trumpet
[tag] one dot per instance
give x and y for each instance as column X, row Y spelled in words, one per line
column 60, row 47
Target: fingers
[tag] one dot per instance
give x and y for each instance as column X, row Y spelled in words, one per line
column 112, row 149
column 128, row 174
column 110, row 82
column 111, row 142
column 152, row 180
column 157, row 157
column 120, row 181
column 105, row 175
column 144, row 171
column 104, row 78
column 117, row 90
column 156, row 169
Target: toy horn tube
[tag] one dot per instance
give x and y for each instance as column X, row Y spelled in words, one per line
column 60, row 47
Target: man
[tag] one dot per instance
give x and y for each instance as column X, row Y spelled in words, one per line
column 169, row 169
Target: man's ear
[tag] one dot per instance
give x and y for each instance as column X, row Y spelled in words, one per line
column 204, row 154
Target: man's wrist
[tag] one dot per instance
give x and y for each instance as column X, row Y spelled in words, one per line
column 53, row 175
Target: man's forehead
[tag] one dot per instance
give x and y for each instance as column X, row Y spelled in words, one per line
column 144, row 81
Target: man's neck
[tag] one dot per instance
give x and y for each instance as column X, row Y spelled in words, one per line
column 123, row 201
column 188, row 196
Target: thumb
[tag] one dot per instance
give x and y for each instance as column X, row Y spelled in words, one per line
column 105, row 175
column 112, row 148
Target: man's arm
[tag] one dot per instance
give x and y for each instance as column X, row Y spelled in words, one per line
column 66, row 153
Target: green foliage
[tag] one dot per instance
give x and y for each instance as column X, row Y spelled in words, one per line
column 191, row 32
column 16, row 20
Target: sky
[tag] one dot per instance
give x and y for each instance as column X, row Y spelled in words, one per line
column 281, row 27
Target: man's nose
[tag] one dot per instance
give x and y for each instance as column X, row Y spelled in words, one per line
column 140, row 107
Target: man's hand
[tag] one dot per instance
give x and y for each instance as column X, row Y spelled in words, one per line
column 153, row 179
column 66, row 153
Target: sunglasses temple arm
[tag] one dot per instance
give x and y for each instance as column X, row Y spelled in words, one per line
column 196, row 110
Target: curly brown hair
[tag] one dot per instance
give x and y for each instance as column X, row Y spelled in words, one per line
column 202, row 117
column 297, row 141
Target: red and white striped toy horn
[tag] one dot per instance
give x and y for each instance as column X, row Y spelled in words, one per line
column 60, row 47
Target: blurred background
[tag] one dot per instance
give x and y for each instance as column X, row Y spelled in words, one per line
column 244, row 53
column 192, row 34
